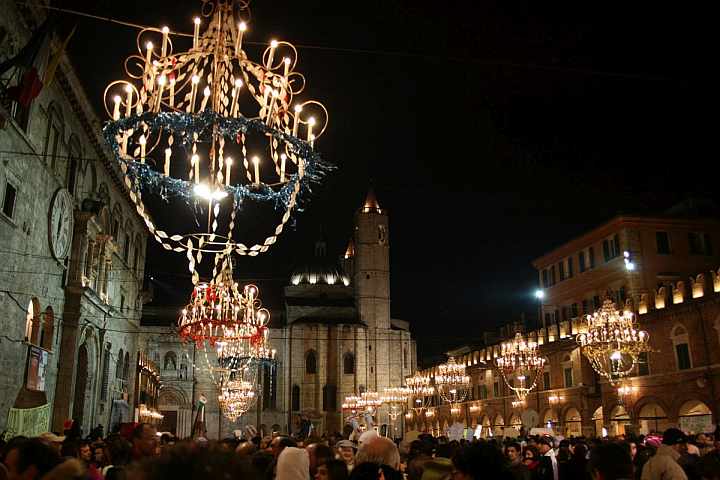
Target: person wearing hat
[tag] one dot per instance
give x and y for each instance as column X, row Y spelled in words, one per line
column 346, row 453
column 53, row 440
column 664, row 465
column 548, row 468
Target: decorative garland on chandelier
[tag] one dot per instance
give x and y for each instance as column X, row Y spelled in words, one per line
column 178, row 121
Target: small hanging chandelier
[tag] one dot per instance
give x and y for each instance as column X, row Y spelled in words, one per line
column 370, row 402
column 421, row 391
column 613, row 343
column 351, row 404
column 236, row 398
column 396, row 398
column 451, row 382
column 520, row 365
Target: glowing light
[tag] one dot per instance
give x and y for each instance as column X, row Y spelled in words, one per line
column 539, row 294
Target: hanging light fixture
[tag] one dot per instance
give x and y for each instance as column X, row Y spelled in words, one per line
column 236, row 398
column 191, row 124
column 421, row 391
column 351, row 404
column 613, row 343
column 451, row 382
column 520, row 365
column 395, row 398
column 370, row 402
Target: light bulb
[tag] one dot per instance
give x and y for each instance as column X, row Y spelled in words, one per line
column 242, row 26
column 197, row 20
column 165, row 29
column 195, row 79
column 311, row 121
column 274, row 43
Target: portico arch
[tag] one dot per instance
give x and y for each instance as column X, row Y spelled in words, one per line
column 695, row 417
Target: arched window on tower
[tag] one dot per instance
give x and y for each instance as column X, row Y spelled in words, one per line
column 349, row 364
column 311, row 362
column 295, row 398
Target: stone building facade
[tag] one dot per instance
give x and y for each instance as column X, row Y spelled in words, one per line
column 334, row 337
column 72, row 254
column 674, row 385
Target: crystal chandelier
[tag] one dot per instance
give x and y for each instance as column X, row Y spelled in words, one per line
column 613, row 343
column 451, row 382
column 396, row 398
column 236, row 398
column 520, row 365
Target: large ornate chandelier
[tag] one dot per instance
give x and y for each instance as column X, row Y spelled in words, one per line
column 223, row 316
column 613, row 343
column 351, row 404
column 451, row 382
column 395, row 398
column 520, row 365
column 212, row 129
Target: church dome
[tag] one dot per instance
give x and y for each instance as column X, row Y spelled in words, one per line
column 320, row 270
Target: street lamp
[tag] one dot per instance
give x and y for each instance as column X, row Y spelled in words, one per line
column 539, row 294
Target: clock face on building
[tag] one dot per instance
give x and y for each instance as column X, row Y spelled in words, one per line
column 60, row 223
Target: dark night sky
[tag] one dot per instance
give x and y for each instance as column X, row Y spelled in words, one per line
column 492, row 131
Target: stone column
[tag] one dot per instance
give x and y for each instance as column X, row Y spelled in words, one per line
column 65, row 382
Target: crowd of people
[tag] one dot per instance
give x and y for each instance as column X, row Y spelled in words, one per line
column 140, row 453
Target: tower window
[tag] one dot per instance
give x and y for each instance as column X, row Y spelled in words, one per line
column 382, row 234
column 8, row 206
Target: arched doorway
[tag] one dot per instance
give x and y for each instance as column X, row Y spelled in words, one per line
column 573, row 423
column 551, row 419
column 486, row 430
column 81, row 383
column 695, row 417
column 618, row 419
column 652, row 418
column 498, row 426
column 597, row 419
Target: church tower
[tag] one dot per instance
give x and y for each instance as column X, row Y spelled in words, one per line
column 371, row 275
column 371, row 269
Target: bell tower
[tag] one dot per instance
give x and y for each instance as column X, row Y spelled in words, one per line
column 372, row 263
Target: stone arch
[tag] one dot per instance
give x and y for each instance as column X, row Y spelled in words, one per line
column 619, row 417
column 572, row 421
column 498, row 425
column 694, row 416
column 173, row 397
column 73, row 163
column 103, row 193
column 85, row 367
column 32, row 322
column 550, row 415
column 515, row 421
column 651, row 417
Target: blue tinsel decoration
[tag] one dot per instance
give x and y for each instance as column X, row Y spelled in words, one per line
column 184, row 126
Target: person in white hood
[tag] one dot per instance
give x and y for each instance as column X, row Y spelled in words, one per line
column 293, row 464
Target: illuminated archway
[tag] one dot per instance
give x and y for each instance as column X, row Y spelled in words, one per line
column 695, row 417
